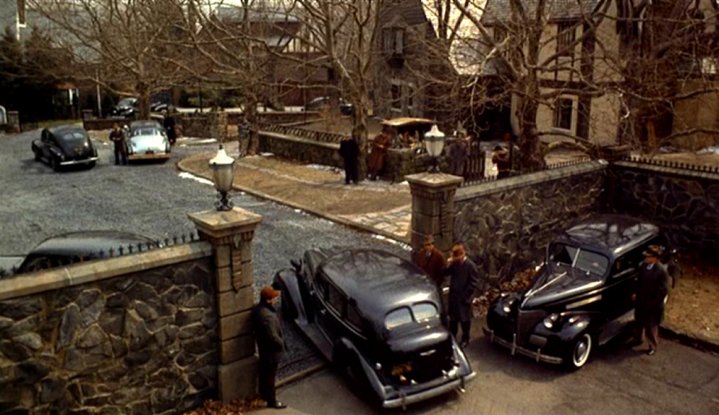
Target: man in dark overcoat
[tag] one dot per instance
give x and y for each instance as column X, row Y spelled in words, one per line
column 270, row 344
column 431, row 260
column 349, row 150
column 117, row 136
column 652, row 289
column 464, row 279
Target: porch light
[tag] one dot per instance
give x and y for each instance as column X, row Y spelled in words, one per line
column 223, row 172
column 433, row 143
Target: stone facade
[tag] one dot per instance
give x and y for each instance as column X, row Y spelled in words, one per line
column 507, row 223
column 207, row 125
column 683, row 202
column 142, row 342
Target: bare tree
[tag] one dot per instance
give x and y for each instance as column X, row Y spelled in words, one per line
column 124, row 46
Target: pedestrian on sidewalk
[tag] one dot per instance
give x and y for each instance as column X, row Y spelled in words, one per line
column 375, row 159
column 463, row 281
column 652, row 290
column 117, row 136
column 270, row 344
column 349, row 151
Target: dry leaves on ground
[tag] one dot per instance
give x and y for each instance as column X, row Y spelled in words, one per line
column 236, row 407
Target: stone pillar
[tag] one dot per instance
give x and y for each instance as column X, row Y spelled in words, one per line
column 433, row 208
column 13, row 121
column 231, row 233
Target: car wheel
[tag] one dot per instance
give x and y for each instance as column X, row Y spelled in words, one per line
column 36, row 153
column 55, row 163
column 580, row 351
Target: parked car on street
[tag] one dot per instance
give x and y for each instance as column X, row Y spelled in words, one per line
column 128, row 107
column 319, row 103
column 583, row 296
column 72, row 247
column 64, row 146
column 147, row 140
column 376, row 316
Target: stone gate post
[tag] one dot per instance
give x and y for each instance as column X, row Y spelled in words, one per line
column 433, row 208
column 230, row 234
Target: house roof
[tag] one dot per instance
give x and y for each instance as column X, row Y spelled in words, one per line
column 501, row 10
column 410, row 12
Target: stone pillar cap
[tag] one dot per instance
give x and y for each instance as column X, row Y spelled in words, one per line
column 222, row 222
column 434, row 179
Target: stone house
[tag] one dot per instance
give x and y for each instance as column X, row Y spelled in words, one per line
column 581, row 61
column 13, row 16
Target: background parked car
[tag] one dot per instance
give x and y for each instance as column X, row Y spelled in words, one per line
column 70, row 248
column 64, row 146
column 584, row 295
column 320, row 103
column 147, row 140
column 128, row 107
column 377, row 316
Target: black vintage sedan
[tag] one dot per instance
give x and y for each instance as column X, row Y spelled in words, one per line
column 582, row 298
column 64, row 146
column 376, row 316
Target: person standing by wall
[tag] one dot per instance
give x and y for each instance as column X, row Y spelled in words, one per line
column 375, row 159
column 458, row 155
column 500, row 158
column 431, row 260
column 652, row 290
column 117, row 136
column 270, row 344
column 349, row 151
column 170, row 125
column 463, row 281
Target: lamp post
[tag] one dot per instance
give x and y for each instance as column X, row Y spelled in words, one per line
column 433, row 143
column 223, row 172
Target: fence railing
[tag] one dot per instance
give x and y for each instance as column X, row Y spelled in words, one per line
column 320, row 136
column 702, row 168
column 486, row 179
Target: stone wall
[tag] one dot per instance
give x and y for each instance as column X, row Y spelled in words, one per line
column 507, row 223
column 683, row 201
column 304, row 150
column 130, row 335
column 205, row 125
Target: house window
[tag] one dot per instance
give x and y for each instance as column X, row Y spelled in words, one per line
column 21, row 12
column 396, row 99
column 393, row 41
column 709, row 66
column 563, row 113
column 410, row 96
column 566, row 36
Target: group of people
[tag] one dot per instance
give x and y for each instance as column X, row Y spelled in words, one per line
column 463, row 281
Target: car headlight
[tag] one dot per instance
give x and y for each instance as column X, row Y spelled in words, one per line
column 507, row 306
column 550, row 320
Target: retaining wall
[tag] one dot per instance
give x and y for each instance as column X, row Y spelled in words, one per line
column 130, row 335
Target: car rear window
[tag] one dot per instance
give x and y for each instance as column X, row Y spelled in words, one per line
column 74, row 137
column 419, row 313
column 145, row 131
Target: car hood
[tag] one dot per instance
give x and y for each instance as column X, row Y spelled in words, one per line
column 141, row 143
column 418, row 338
column 558, row 283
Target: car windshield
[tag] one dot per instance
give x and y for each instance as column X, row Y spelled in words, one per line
column 419, row 313
column 581, row 259
column 126, row 102
column 144, row 131
column 74, row 137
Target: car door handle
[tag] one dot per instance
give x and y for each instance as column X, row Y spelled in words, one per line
column 323, row 311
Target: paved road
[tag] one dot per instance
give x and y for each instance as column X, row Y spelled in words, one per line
column 152, row 200
column 677, row 380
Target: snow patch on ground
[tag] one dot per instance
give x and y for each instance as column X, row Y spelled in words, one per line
column 322, row 167
column 709, row 150
column 267, row 154
column 185, row 175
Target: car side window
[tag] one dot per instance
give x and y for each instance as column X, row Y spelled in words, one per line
column 335, row 299
column 353, row 317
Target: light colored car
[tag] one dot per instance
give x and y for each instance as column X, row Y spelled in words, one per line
column 147, row 140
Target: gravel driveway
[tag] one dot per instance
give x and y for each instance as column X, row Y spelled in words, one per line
column 152, row 200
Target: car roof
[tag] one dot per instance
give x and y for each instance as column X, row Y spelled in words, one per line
column 62, row 129
column 610, row 234
column 88, row 242
column 145, row 124
column 402, row 121
column 378, row 281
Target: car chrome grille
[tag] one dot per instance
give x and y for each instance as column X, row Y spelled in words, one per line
column 526, row 321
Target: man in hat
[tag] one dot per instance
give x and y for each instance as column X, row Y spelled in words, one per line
column 117, row 136
column 464, row 279
column 349, row 151
column 270, row 344
column 431, row 260
column 652, row 289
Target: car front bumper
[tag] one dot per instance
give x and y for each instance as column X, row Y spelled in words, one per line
column 152, row 156
column 428, row 393
column 75, row 162
column 514, row 348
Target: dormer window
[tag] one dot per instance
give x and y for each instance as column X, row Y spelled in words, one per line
column 566, row 36
column 393, row 41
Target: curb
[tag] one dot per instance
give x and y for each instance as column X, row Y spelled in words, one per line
column 705, row 345
column 300, row 375
column 333, row 218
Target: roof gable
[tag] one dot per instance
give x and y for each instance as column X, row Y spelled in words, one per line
column 501, row 10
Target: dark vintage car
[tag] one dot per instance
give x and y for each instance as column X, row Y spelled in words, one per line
column 320, row 103
column 376, row 316
column 73, row 247
column 128, row 107
column 65, row 146
column 583, row 296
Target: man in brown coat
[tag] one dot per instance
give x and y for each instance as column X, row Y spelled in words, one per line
column 270, row 344
column 431, row 260
column 375, row 159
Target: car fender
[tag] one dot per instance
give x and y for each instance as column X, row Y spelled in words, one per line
column 350, row 351
column 580, row 324
column 56, row 152
column 287, row 281
column 465, row 368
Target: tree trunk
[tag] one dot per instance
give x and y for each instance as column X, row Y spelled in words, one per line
column 143, row 101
